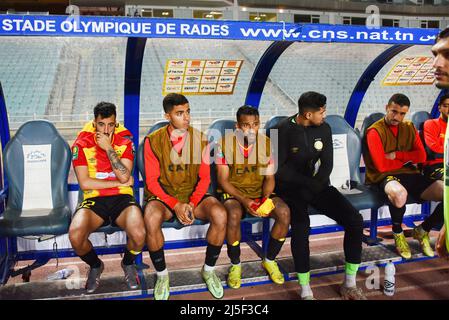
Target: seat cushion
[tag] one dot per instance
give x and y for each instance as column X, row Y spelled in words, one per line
column 56, row 223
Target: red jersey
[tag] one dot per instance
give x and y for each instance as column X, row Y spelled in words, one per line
column 434, row 132
column 153, row 172
column 85, row 152
column 377, row 152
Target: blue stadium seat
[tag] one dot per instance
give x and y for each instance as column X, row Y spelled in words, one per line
column 365, row 198
column 140, row 160
column 418, row 119
column 368, row 121
column 273, row 122
column 215, row 132
column 37, row 162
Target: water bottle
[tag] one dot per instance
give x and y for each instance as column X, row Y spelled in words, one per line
column 60, row 274
column 389, row 282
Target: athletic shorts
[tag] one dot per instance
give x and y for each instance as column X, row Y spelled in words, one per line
column 172, row 219
column 223, row 196
column 414, row 183
column 109, row 208
column 434, row 172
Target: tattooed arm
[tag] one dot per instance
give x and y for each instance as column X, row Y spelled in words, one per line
column 121, row 167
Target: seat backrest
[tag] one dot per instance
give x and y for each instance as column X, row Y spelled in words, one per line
column 418, row 119
column 340, row 130
column 217, row 129
column 367, row 122
column 215, row 132
column 140, row 158
column 37, row 162
column 273, row 122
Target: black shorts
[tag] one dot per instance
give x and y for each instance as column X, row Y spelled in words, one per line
column 414, row 183
column 434, row 172
column 172, row 219
column 108, row 208
column 223, row 196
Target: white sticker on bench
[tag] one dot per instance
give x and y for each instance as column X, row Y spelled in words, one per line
column 37, row 180
column 340, row 173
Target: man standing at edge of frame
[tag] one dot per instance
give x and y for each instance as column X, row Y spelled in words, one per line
column 440, row 51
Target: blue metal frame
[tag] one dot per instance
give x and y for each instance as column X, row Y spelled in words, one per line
column 4, row 138
column 135, row 50
column 352, row 109
column 262, row 71
column 4, row 124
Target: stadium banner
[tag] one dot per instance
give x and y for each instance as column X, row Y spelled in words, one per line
column 200, row 77
column 410, row 71
column 88, row 26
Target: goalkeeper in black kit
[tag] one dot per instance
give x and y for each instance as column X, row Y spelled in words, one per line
column 305, row 164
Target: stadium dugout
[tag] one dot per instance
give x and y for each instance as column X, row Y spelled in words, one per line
column 38, row 200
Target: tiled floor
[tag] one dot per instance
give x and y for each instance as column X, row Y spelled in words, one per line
column 428, row 279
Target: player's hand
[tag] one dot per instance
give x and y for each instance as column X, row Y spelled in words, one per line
column 391, row 155
column 129, row 183
column 248, row 204
column 184, row 213
column 104, row 140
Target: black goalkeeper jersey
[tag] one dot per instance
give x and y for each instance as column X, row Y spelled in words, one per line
column 305, row 158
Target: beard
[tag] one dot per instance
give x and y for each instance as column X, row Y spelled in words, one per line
column 441, row 85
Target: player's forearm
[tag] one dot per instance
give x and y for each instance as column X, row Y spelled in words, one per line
column 233, row 191
column 268, row 186
column 97, row 184
column 121, row 172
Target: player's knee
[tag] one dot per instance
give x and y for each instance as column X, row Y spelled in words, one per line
column 153, row 221
column 234, row 216
column 218, row 216
column 283, row 215
column 439, row 190
column 77, row 236
column 138, row 236
column 398, row 197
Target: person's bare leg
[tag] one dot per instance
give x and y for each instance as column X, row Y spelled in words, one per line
column 155, row 215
